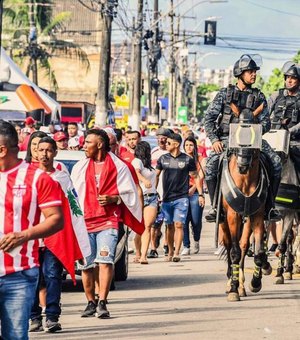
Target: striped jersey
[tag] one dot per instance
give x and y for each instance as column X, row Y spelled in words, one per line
column 24, row 191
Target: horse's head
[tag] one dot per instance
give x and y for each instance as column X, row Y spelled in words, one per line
column 245, row 156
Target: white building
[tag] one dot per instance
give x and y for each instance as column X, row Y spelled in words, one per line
column 220, row 77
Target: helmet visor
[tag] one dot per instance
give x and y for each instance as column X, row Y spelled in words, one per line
column 246, row 60
column 287, row 66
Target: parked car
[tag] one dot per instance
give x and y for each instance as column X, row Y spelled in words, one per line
column 69, row 158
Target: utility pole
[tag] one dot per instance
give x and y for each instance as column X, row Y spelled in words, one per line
column 107, row 12
column 171, row 66
column 32, row 39
column 195, row 84
column 136, row 112
column 154, row 73
column 132, row 63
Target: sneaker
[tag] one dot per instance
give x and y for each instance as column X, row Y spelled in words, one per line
column 166, row 250
column 273, row 247
column 273, row 216
column 36, row 325
column 153, row 254
column 102, row 311
column 185, row 251
column 90, row 310
column 196, row 247
column 211, row 216
column 43, row 313
column 52, row 326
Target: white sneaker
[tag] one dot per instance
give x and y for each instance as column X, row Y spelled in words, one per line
column 196, row 247
column 185, row 251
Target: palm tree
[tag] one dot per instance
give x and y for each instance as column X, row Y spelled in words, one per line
column 30, row 32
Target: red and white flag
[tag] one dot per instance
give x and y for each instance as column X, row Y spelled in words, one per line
column 72, row 242
column 115, row 179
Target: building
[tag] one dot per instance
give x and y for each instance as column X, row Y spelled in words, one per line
column 220, row 77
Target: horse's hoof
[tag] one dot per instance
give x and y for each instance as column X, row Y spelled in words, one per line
column 267, row 270
column 288, row 276
column 233, row 297
column 254, row 289
column 279, row 280
column 242, row 292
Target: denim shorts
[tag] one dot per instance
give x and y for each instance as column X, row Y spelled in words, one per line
column 101, row 241
column 175, row 211
column 151, row 200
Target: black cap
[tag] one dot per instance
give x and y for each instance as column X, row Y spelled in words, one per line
column 163, row 132
column 176, row 137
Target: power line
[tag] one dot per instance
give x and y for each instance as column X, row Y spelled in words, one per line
column 272, row 9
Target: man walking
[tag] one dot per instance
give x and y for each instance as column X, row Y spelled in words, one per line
column 25, row 192
column 107, row 194
column 176, row 167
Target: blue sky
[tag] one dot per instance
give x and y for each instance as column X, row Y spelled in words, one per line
column 271, row 27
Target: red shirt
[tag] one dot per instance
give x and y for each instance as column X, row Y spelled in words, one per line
column 127, row 156
column 24, row 190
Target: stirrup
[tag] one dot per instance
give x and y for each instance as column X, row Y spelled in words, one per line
column 212, row 215
column 274, row 215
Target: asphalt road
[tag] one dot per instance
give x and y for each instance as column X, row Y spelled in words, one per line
column 185, row 300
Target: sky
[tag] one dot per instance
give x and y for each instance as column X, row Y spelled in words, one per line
column 267, row 27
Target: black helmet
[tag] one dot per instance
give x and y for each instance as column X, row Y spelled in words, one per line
column 245, row 63
column 291, row 69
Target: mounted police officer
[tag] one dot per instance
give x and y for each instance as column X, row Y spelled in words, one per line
column 224, row 110
column 284, row 107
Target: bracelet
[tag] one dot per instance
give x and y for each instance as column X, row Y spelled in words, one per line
column 201, row 195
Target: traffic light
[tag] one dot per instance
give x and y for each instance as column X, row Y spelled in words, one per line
column 210, row 30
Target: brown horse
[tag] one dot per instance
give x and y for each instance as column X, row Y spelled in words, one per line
column 244, row 187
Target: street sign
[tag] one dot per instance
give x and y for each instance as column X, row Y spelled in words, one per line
column 182, row 114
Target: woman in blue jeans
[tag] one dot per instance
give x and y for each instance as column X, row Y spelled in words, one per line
column 195, row 210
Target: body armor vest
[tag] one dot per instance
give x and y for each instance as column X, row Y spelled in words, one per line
column 242, row 100
column 286, row 107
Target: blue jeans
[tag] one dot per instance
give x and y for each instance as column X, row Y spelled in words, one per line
column 16, row 298
column 51, row 268
column 175, row 211
column 101, row 241
column 195, row 218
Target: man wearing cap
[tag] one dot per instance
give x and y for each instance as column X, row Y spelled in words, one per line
column 176, row 167
column 29, row 122
column 61, row 140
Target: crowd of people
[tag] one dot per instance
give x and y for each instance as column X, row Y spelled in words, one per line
column 120, row 181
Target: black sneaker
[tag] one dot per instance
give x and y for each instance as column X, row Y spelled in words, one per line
column 101, row 311
column 52, row 326
column 36, row 325
column 153, row 254
column 166, row 250
column 212, row 216
column 274, row 215
column 90, row 310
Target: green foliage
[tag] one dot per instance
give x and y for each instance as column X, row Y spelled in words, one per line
column 204, row 97
column 16, row 31
column 297, row 58
column 274, row 83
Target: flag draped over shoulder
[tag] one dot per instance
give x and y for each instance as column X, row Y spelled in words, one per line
column 115, row 179
column 72, row 242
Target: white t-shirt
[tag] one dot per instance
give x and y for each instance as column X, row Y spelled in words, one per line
column 148, row 174
column 155, row 154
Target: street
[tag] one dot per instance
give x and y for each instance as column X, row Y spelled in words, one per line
column 185, row 300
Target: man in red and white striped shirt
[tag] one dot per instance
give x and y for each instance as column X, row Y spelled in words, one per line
column 25, row 192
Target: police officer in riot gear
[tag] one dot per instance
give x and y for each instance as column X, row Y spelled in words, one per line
column 222, row 111
column 284, row 107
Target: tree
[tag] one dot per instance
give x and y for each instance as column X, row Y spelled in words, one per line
column 204, row 97
column 29, row 31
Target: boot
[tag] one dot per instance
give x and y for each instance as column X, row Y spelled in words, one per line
column 273, row 214
column 212, row 214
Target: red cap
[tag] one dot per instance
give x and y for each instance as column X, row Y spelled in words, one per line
column 29, row 120
column 58, row 136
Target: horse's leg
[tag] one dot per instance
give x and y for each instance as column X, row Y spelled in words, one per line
column 289, row 256
column 282, row 247
column 244, row 245
column 266, row 267
column 259, row 255
column 234, row 223
column 227, row 244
